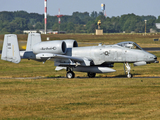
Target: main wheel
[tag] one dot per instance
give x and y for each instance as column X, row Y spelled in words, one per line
column 129, row 75
column 91, row 75
column 70, row 74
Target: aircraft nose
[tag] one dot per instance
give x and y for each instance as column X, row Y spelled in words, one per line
column 152, row 58
column 156, row 60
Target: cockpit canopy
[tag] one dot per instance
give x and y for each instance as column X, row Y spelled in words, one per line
column 130, row 44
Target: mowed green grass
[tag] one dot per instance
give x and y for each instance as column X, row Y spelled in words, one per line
column 89, row 39
column 80, row 98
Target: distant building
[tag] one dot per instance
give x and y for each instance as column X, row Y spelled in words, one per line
column 152, row 31
column 49, row 31
column 29, row 31
column 99, row 31
column 158, row 25
column 59, row 32
column 35, row 31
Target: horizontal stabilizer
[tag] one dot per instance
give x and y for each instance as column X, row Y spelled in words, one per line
column 10, row 51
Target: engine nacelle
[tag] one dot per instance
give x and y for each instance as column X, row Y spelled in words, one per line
column 71, row 43
column 56, row 47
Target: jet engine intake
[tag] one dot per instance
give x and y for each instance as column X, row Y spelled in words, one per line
column 71, row 43
column 56, row 47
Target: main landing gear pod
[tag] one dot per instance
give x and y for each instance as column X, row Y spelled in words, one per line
column 91, row 70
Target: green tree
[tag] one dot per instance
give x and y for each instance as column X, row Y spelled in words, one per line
column 6, row 16
column 63, row 27
column 129, row 22
column 94, row 15
column 158, row 20
column 18, row 32
column 38, row 26
column 70, row 28
column 151, row 24
column 16, row 22
column 21, row 23
column 140, row 26
column 80, row 15
column 101, row 17
column 55, row 27
column 30, row 26
column 76, row 20
column 91, row 26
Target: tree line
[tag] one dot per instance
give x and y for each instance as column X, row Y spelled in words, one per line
column 16, row 22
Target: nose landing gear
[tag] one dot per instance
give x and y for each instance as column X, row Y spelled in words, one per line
column 127, row 69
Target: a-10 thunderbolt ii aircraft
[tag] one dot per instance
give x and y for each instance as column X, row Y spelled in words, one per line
column 67, row 55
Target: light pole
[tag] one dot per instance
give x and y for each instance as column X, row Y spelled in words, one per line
column 145, row 26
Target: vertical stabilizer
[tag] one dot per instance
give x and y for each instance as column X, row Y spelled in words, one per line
column 33, row 38
column 10, row 51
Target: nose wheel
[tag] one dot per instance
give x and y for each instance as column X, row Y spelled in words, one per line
column 127, row 69
column 129, row 75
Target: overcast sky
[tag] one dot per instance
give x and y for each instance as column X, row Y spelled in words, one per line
column 67, row 7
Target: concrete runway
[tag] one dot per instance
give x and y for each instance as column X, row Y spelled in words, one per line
column 25, row 78
column 152, row 49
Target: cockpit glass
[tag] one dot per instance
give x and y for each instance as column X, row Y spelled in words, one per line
column 131, row 45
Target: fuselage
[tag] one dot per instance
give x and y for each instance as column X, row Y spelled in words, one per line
column 111, row 53
column 122, row 52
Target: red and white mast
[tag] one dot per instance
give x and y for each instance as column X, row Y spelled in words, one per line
column 59, row 18
column 45, row 16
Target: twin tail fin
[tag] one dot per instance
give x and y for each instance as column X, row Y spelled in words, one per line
column 10, row 50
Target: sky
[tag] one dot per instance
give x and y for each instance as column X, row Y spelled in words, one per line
column 67, row 7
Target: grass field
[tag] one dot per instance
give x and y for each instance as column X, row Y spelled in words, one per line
column 88, row 39
column 108, row 96
column 98, row 98
column 55, row 97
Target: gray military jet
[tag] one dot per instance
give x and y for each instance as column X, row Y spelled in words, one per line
column 67, row 55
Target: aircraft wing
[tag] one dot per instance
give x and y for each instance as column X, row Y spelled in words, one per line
column 70, row 59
